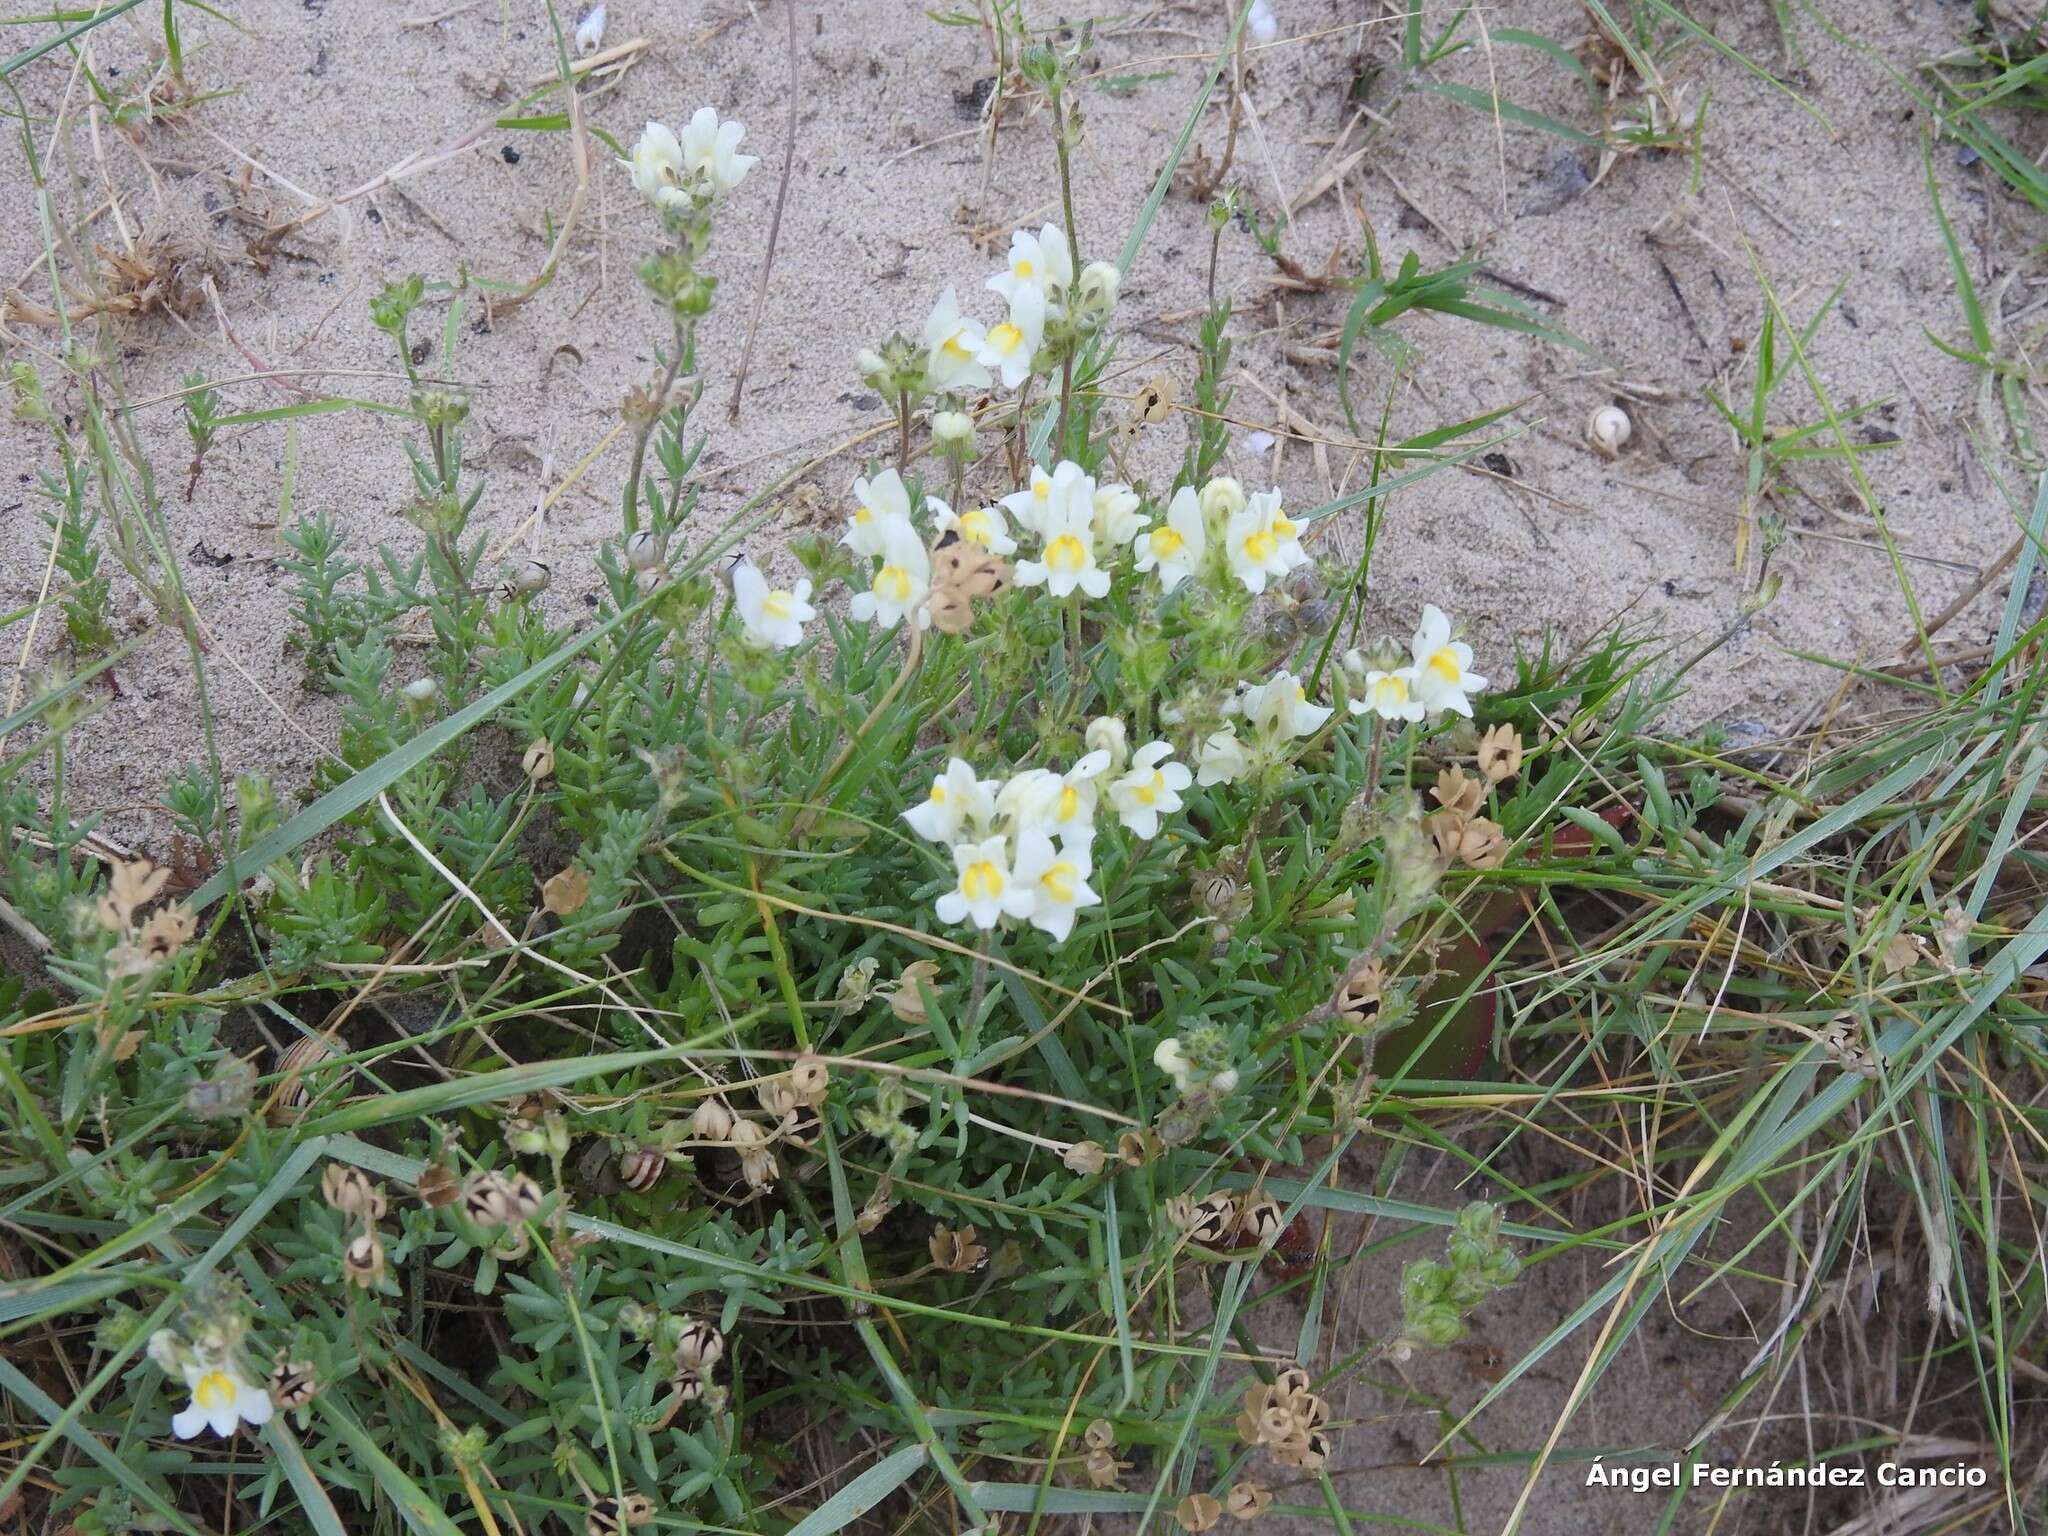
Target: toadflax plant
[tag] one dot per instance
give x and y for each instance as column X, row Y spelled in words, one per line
column 850, row 1002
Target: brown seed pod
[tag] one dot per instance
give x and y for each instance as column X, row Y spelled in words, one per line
column 1101, row 1435
column 611, row 1517
column 956, row 1251
column 525, row 1195
column 437, row 1186
column 1258, row 1222
column 641, row 1167
column 688, row 1385
column 350, row 1192
column 363, row 1260
column 1247, row 1501
column 1214, row 1218
column 809, row 1080
column 488, row 1200
column 292, row 1383
column 1198, row 1512
column 712, row 1121
column 1360, row 994
column 699, row 1346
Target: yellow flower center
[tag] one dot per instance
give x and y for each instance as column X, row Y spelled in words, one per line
column 865, row 514
column 1058, row 882
column 1445, row 666
column 1066, row 554
column 1005, row 337
column 1389, row 691
column 1166, row 543
column 1282, row 528
column 981, row 881
column 1024, row 266
column 974, row 526
column 955, row 347
column 778, row 604
column 1148, row 794
column 938, row 791
column 1259, row 547
column 892, row 584
column 1070, row 802
column 1041, row 487
column 216, row 1389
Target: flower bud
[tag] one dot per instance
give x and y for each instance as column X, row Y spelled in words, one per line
column 1096, row 290
column 1221, row 498
column 421, row 691
column 1106, row 733
column 952, row 429
column 712, row 1121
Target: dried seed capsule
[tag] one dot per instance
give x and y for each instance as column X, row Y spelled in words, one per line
column 1247, row 1501
column 437, row 1186
column 363, row 1260
column 1214, row 1217
column 488, row 1201
column 688, row 1384
column 292, row 1383
column 809, row 1080
column 1259, row 1222
column 350, row 1191
column 1198, row 1512
column 699, row 1346
column 612, row 1517
column 525, row 1195
column 712, row 1121
column 532, row 576
column 643, row 551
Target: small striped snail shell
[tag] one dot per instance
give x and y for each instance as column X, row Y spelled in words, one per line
column 293, row 1062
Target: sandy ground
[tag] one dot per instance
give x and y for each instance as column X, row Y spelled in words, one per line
column 888, row 189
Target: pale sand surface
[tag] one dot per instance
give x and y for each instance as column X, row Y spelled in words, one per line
column 887, row 185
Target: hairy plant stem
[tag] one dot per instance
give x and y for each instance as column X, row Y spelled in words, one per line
column 902, row 431
column 1059, row 139
column 631, row 494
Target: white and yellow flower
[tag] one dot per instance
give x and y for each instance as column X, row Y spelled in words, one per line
column 1175, row 547
column 656, row 166
column 1011, row 344
column 1222, row 758
column 1280, row 711
column 1150, row 790
column 1263, row 542
column 1171, row 1057
column 899, row 589
column 1390, row 695
column 1042, row 264
column 1116, row 515
column 1060, row 805
column 1095, row 294
column 985, row 889
column 1106, row 734
column 710, row 151
column 1066, row 561
column 878, row 504
column 221, row 1400
column 1057, row 880
column 953, row 342
column 983, row 526
column 958, row 803
column 1032, row 506
column 771, row 616
column 1444, row 678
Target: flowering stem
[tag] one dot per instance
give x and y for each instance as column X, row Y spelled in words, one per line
column 1066, row 404
column 668, row 380
column 814, row 802
column 902, row 431
column 980, row 983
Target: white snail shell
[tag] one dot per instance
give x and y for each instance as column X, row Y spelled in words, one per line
column 1607, row 429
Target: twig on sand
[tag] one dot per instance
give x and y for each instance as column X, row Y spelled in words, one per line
column 739, row 379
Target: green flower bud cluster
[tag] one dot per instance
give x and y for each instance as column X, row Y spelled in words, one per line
column 1437, row 1296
